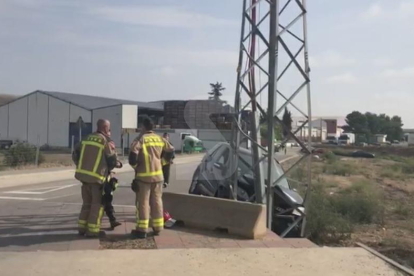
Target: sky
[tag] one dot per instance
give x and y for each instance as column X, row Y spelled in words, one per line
column 360, row 50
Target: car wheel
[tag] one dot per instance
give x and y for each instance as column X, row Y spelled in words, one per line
column 194, row 184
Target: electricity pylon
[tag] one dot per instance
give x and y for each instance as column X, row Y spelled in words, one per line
column 270, row 28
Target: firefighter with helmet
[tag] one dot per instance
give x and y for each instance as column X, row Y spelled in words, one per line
column 145, row 157
column 94, row 157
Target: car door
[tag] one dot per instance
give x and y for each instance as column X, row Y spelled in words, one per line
column 215, row 166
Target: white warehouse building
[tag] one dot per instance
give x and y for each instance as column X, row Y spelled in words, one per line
column 51, row 118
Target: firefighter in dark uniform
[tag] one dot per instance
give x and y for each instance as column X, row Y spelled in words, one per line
column 110, row 185
column 167, row 161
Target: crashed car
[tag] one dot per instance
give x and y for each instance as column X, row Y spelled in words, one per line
column 213, row 178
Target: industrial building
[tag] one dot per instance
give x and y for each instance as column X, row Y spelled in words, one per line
column 53, row 118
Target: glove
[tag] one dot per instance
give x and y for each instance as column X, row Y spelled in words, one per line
column 114, row 183
column 134, row 186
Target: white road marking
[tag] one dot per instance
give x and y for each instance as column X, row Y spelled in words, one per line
column 61, row 196
column 22, row 198
column 80, row 204
column 50, row 190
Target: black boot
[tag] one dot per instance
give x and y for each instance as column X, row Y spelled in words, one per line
column 138, row 234
column 115, row 224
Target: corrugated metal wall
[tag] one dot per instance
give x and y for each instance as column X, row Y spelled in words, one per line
column 40, row 119
column 18, row 113
column 4, row 121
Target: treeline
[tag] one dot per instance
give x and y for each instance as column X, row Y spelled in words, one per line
column 368, row 124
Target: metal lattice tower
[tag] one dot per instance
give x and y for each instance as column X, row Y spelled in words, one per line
column 269, row 29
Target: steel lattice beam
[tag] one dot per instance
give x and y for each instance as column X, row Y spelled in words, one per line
column 250, row 58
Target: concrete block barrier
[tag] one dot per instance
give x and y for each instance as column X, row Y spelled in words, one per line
column 238, row 218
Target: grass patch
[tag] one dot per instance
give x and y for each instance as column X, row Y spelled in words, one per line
column 397, row 250
column 360, row 203
column 331, row 218
column 406, row 167
column 299, row 173
column 341, row 169
column 391, row 157
column 403, row 209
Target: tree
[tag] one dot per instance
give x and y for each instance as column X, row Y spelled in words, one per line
column 287, row 121
column 357, row 123
column 263, row 128
column 368, row 124
column 216, row 89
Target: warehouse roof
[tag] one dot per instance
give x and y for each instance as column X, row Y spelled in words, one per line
column 93, row 102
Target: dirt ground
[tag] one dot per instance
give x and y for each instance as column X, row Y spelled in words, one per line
column 124, row 242
column 394, row 236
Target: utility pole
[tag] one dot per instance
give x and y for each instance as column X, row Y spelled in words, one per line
column 265, row 35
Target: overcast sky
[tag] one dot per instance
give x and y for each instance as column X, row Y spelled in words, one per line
column 361, row 50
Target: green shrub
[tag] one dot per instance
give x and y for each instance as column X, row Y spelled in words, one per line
column 331, row 218
column 324, row 225
column 330, row 157
column 360, row 203
column 21, row 154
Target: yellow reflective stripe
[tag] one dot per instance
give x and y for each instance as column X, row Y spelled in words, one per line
column 101, row 210
column 93, row 173
column 94, row 144
column 98, row 160
column 81, row 156
column 150, row 173
column 155, row 144
column 82, row 223
column 93, row 230
column 144, row 150
column 102, row 178
column 143, row 226
column 158, row 222
column 143, row 223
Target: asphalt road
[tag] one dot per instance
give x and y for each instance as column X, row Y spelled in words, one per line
column 68, row 191
column 37, row 215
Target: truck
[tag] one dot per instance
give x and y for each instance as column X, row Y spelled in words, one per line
column 346, row 139
column 410, row 139
column 331, row 140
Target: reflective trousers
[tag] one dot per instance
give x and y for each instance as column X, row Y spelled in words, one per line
column 149, row 197
column 91, row 213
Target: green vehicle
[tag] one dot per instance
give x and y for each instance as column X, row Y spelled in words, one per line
column 192, row 144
